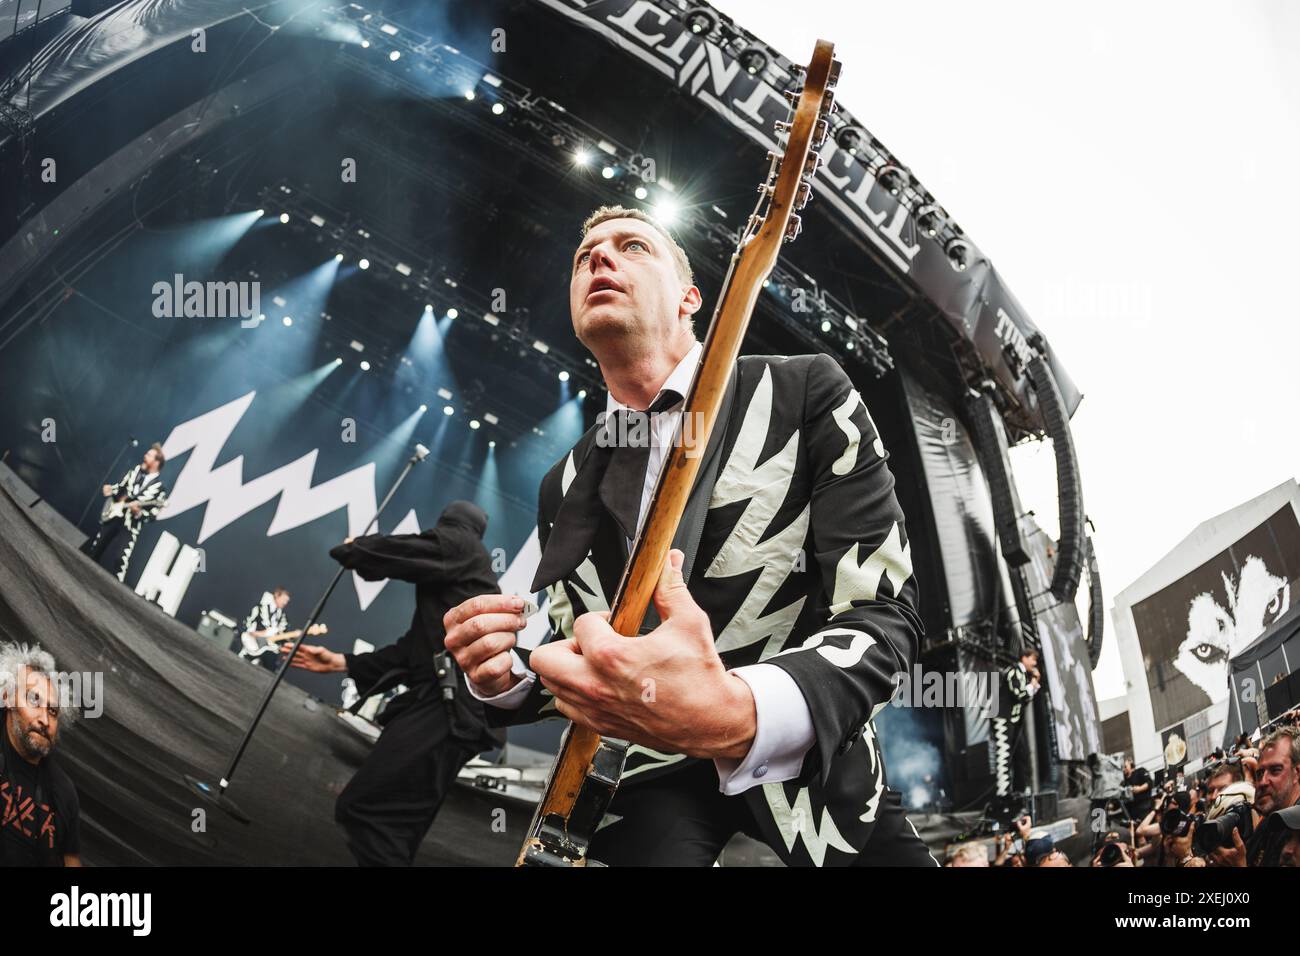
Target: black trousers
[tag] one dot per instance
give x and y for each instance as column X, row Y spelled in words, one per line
column 389, row 805
column 112, row 546
column 681, row 819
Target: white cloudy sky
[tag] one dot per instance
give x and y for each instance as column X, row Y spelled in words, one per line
column 1130, row 168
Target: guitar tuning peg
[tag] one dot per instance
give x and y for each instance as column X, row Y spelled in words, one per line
column 834, row 77
column 793, row 228
column 829, row 105
column 811, row 165
column 792, row 96
column 820, row 131
column 804, row 193
column 798, row 69
column 781, row 126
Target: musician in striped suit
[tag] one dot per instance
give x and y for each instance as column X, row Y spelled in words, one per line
column 143, row 489
column 750, row 704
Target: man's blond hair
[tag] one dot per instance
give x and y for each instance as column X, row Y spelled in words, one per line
column 683, row 264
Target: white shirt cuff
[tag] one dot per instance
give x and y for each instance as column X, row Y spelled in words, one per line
column 513, row 698
column 783, row 735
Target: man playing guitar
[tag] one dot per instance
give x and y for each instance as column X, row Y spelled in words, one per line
column 132, row 503
column 266, row 628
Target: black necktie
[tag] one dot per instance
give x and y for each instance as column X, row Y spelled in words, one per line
column 612, row 476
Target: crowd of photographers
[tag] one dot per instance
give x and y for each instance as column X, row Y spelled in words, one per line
column 1241, row 810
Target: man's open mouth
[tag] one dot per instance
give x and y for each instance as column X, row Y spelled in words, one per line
column 603, row 285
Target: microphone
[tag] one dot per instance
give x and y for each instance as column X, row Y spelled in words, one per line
column 421, row 453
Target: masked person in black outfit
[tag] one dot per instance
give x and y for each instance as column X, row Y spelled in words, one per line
column 435, row 727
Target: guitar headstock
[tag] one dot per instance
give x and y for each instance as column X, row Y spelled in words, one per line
column 788, row 186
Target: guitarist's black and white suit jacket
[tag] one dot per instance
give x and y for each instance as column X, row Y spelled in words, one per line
column 145, row 487
column 805, row 571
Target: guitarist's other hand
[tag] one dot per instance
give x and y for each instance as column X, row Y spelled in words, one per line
column 480, row 634
column 322, row 660
column 667, row 690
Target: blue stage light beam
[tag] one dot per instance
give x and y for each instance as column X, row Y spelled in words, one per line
column 196, row 249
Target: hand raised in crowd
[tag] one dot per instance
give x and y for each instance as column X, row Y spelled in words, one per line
column 1234, row 855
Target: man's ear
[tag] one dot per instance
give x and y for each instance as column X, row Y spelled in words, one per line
column 691, row 302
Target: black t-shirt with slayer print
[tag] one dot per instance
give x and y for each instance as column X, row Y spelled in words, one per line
column 39, row 811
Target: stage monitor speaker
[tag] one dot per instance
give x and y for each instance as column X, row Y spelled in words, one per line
column 217, row 629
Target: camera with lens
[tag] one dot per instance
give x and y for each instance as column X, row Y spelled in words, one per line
column 1231, row 811
column 1177, row 821
column 1111, row 854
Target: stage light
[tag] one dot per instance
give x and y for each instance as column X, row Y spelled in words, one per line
column 752, row 60
column 287, row 320
column 389, row 29
column 851, row 322
column 474, row 424
column 582, row 393
column 363, row 263
column 491, row 319
column 849, row 345
column 356, row 346
column 365, row 44
column 395, row 55
column 365, row 366
column 284, row 217
column 699, row 21
column 930, row 219
column 428, row 307
column 641, row 192
column 892, row 178
column 317, row 221
column 448, row 410
column 541, row 346
column 850, row 139
column 424, row 408
column 402, row 268
column 498, row 108
column 338, row 257
column 338, row 360
column 608, row 172
column 564, row 376
column 261, row 212
column 666, row 211
column 958, row 252
column 492, row 444
column 665, row 184
column 581, row 157
column 826, row 325
column 444, row 394
column 453, row 313
column 491, row 80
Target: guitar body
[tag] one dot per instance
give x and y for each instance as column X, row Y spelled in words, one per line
column 585, row 775
column 253, row 647
column 114, row 509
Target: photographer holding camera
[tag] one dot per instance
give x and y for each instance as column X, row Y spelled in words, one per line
column 1277, row 789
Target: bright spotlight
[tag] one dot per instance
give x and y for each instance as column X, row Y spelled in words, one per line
column 582, row 393
column 666, row 211
column 261, row 212
column 428, row 308
column 582, row 157
column 338, row 361
column 498, row 108
column 365, row 366
column 641, row 192
column 287, row 320
column 284, row 217
column 365, row 44
column 473, row 423
column 448, row 410
column 453, row 314
column 608, row 172
column 492, row 443
column 826, row 325
column 338, row 257
column 469, row 94
column 395, row 55
column 424, row 408
column 564, row 376
column 363, row 263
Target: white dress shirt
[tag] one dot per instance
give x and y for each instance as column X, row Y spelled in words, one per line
column 784, row 731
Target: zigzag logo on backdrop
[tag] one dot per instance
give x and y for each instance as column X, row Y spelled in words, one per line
column 228, row 497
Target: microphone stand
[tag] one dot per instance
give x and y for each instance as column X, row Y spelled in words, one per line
column 218, row 794
column 130, row 443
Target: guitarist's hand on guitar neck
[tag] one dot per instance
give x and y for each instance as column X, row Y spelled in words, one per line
column 667, row 690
